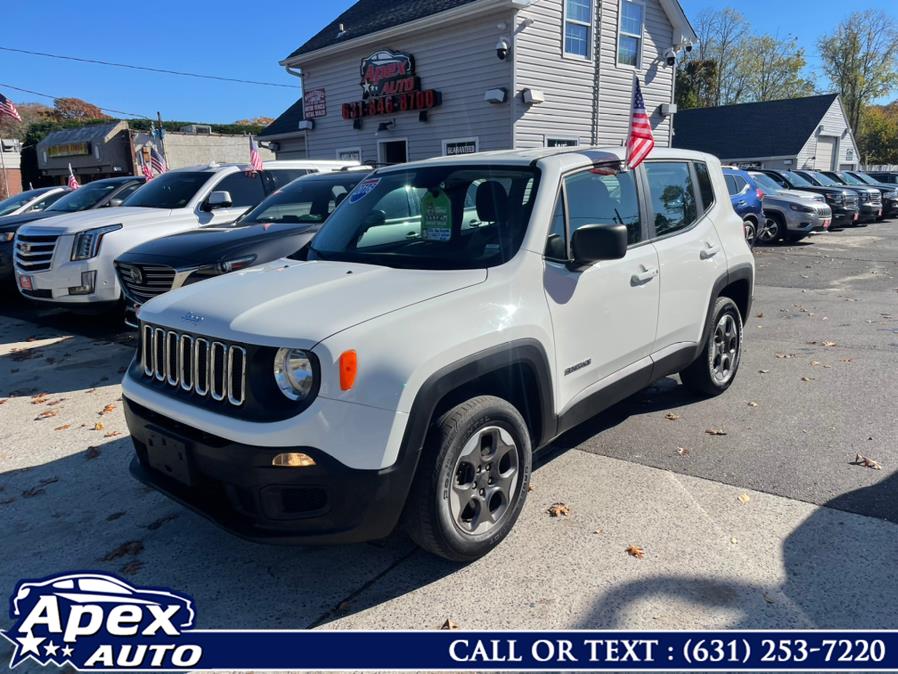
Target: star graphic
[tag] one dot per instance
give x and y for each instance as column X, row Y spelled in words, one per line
column 67, row 652
column 29, row 644
column 51, row 648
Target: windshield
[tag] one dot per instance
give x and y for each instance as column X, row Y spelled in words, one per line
column 84, row 197
column 14, row 203
column 864, row 178
column 824, row 179
column 850, row 179
column 170, row 190
column 440, row 217
column 766, row 183
column 307, row 200
column 797, row 180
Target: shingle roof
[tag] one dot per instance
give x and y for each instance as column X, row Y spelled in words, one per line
column 288, row 122
column 370, row 16
column 766, row 129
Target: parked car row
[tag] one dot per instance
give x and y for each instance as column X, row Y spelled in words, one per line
column 363, row 350
column 787, row 206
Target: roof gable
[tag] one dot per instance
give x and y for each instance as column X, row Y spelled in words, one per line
column 371, row 16
column 766, row 129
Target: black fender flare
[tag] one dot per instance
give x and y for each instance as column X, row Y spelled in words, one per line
column 740, row 272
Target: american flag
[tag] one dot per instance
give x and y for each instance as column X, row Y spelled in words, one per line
column 144, row 168
column 7, row 108
column 72, row 182
column 641, row 141
column 157, row 161
column 255, row 159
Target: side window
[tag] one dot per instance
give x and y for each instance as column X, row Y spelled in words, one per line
column 595, row 198
column 245, row 188
column 556, row 246
column 673, row 196
column 731, row 185
column 705, row 187
column 741, row 184
column 47, row 201
column 126, row 192
column 777, row 179
column 274, row 180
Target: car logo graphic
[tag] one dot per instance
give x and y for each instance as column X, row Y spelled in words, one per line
column 25, row 247
column 193, row 318
column 136, row 275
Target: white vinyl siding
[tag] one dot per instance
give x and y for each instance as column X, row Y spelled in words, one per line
column 629, row 40
column 578, row 24
column 818, row 154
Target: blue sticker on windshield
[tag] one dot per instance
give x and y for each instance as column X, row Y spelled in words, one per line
column 363, row 189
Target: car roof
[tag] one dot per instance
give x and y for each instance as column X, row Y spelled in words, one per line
column 273, row 165
column 565, row 158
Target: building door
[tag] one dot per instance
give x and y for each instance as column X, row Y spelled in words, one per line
column 826, row 152
column 392, row 151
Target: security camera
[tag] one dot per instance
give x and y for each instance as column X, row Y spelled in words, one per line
column 671, row 57
column 688, row 47
column 502, row 49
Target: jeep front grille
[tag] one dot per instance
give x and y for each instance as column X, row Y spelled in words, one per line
column 851, row 202
column 35, row 253
column 200, row 365
column 141, row 283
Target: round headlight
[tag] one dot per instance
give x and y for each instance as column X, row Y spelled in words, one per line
column 294, row 374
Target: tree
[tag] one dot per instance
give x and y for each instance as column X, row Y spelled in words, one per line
column 31, row 113
column 772, row 69
column 255, row 121
column 879, row 139
column 74, row 109
column 861, row 60
column 722, row 35
column 696, row 84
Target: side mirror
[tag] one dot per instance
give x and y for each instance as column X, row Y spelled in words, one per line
column 592, row 243
column 115, row 203
column 219, row 199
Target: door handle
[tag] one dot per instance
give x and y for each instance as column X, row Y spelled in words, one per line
column 644, row 276
column 710, row 251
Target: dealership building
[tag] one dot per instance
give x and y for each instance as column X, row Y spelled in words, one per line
column 389, row 81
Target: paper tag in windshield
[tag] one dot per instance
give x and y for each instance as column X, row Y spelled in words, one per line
column 363, row 189
column 436, row 217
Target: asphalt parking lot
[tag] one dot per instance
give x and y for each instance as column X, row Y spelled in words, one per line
column 748, row 507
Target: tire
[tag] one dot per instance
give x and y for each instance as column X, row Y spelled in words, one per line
column 714, row 370
column 773, row 231
column 442, row 515
column 751, row 231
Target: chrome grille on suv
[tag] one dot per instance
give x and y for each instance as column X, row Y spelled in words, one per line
column 851, row 201
column 142, row 283
column 876, row 199
column 35, row 252
column 201, row 365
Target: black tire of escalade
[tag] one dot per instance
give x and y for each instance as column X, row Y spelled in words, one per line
column 429, row 516
column 723, row 345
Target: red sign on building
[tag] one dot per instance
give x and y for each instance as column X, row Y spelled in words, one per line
column 314, row 104
column 390, row 85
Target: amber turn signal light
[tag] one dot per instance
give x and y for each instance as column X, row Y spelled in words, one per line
column 293, row 460
column 349, row 365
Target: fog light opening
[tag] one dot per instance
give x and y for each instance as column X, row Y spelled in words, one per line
column 293, row 460
column 88, row 284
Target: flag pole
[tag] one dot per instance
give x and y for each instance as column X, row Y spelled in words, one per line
column 630, row 124
column 3, row 168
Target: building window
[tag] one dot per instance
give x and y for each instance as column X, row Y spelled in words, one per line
column 629, row 41
column 578, row 28
column 849, row 155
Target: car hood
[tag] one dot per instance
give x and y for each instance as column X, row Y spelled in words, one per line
column 72, row 223
column 299, row 304
column 799, row 194
column 209, row 244
column 11, row 223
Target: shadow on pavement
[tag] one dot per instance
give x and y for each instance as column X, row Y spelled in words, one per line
column 840, row 573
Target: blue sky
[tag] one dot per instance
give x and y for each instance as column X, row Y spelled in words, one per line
column 223, row 38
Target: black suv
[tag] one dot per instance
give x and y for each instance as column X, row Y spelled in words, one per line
column 874, row 196
column 869, row 205
column 889, row 192
column 843, row 202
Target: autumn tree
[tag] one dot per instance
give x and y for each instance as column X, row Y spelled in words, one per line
column 31, row 113
column 861, row 60
column 878, row 139
column 255, row 121
column 696, row 84
column 76, row 110
column 773, row 69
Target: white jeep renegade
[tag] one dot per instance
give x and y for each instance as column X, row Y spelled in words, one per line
column 454, row 316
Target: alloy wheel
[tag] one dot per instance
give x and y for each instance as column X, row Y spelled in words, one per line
column 724, row 349
column 484, row 481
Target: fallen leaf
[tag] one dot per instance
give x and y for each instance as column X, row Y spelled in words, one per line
column 829, row 343
column 46, row 415
column 861, row 460
column 54, row 403
column 636, row 551
column 715, row 431
column 99, row 426
column 530, row 487
column 132, row 548
column 761, row 315
column 114, row 516
column 112, row 434
column 598, row 532
column 763, row 371
column 4, row 401
column 752, row 403
column 91, row 453
column 132, row 568
column 449, row 625
column 344, row 606
column 744, row 498
column 158, row 524
column 733, row 540
column 806, row 379
column 559, row 510
column 64, row 427
column 683, row 451
column 670, row 416
column 107, row 410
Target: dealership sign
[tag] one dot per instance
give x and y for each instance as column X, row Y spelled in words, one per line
column 390, row 85
column 314, row 104
column 69, row 150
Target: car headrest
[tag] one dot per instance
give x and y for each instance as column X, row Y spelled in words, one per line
column 492, row 202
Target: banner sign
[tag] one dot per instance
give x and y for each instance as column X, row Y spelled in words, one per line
column 98, row 622
column 69, row 150
column 314, row 104
column 390, row 85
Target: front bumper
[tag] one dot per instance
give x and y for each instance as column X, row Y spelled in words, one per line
column 843, row 217
column 53, row 285
column 890, row 207
column 7, row 272
column 870, row 212
column 798, row 222
column 236, row 487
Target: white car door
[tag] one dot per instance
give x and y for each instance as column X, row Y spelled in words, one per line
column 246, row 190
column 604, row 317
column 689, row 249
